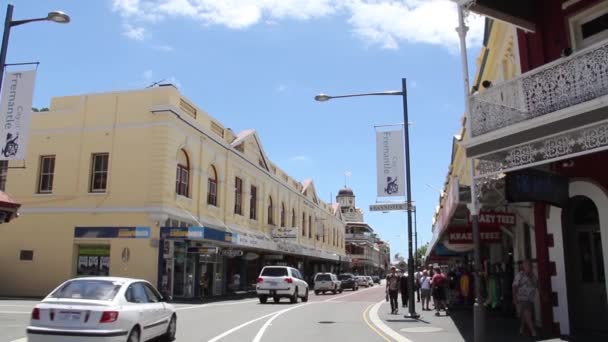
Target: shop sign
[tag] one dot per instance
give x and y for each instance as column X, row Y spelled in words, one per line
column 93, row 250
column 285, row 233
column 537, row 186
column 250, row 256
column 489, row 218
column 112, row 232
column 464, row 235
column 232, row 253
column 217, row 235
column 449, row 206
column 203, row 250
column 182, row 232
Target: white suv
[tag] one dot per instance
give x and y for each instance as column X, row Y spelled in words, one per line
column 281, row 282
column 327, row 282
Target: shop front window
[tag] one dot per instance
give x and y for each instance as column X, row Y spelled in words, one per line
column 93, row 261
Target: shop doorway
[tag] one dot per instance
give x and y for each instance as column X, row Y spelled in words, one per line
column 184, row 268
column 93, row 260
column 587, row 300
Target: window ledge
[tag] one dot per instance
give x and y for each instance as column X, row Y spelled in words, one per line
column 98, row 193
column 183, row 198
column 43, row 194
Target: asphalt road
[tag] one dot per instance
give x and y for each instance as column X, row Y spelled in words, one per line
column 324, row 318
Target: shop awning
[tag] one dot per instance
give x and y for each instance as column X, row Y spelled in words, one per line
column 8, row 208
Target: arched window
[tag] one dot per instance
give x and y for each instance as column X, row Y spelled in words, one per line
column 270, row 210
column 293, row 218
column 182, row 176
column 212, row 186
column 283, row 214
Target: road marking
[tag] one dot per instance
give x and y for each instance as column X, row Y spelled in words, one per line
column 212, row 304
column 24, row 339
column 371, row 326
column 260, row 333
column 15, row 312
column 226, row 333
column 373, row 316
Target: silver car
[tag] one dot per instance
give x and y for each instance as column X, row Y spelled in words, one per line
column 325, row 282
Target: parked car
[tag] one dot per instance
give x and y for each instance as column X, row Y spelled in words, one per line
column 370, row 282
column 376, row 279
column 281, row 282
column 361, row 281
column 348, row 281
column 102, row 308
column 325, row 282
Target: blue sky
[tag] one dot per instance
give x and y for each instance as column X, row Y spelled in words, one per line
column 259, row 63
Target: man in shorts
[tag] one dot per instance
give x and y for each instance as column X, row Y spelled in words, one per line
column 438, row 284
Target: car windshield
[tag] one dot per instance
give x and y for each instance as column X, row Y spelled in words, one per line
column 88, row 289
column 274, row 272
column 323, row 277
column 344, row 277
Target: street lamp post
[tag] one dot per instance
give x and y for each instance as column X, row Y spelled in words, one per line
column 410, row 263
column 54, row 16
column 478, row 307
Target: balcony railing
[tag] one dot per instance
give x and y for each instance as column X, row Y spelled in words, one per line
column 358, row 236
column 566, row 82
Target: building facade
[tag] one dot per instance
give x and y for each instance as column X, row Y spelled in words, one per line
column 145, row 184
column 369, row 254
column 539, row 142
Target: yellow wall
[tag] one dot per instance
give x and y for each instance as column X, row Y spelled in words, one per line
column 143, row 134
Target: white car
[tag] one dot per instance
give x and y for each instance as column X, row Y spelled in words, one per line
column 327, row 282
column 281, row 282
column 370, row 281
column 361, row 281
column 102, row 309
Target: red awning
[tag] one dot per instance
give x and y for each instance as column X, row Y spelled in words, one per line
column 8, row 207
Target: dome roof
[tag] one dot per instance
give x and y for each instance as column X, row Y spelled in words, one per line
column 346, row 192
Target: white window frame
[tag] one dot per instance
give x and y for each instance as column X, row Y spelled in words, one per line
column 576, row 22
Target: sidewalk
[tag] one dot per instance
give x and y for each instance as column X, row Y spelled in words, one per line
column 458, row 327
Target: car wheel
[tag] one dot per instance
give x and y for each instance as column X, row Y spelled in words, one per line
column 263, row 299
column 335, row 290
column 340, row 291
column 324, row 292
column 317, row 293
column 171, row 329
column 294, row 298
column 305, row 298
column 134, row 335
column 276, row 299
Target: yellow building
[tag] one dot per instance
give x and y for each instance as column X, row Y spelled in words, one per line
column 145, row 184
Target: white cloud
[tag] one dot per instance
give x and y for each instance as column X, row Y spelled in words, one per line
column 133, row 32
column 305, row 159
column 164, row 48
column 386, row 23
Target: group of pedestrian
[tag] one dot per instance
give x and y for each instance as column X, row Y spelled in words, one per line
column 425, row 285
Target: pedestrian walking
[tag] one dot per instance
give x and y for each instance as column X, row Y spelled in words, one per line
column 392, row 289
column 438, row 284
column 425, row 290
column 417, row 276
column 404, row 285
column 524, row 290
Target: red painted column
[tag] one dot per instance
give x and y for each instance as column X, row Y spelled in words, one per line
column 544, row 267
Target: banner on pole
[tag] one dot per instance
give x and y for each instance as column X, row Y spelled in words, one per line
column 390, row 164
column 16, row 113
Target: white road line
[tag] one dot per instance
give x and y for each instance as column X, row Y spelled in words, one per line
column 213, row 304
column 226, row 333
column 260, row 333
column 24, row 339
column 15, row 312
column 375, row 319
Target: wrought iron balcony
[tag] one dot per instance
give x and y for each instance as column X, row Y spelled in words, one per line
column 580, row 77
